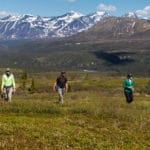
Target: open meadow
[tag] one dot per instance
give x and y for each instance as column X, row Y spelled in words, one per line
column 94, row 116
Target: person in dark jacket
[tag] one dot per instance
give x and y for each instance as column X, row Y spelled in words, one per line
column 128, row 86
column 61, row 86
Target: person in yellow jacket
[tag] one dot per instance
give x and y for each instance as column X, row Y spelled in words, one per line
column 8, row 85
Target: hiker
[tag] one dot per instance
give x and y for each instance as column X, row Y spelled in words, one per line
column 128, row 86
column 8, row 86
column 61, row 86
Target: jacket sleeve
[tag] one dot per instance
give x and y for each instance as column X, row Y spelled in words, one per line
column 13, row 81
column 124, row 84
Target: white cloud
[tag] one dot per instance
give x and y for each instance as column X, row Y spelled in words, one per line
column 144, row 12
column 71, row 1
column 103, row 7
column 4, row 13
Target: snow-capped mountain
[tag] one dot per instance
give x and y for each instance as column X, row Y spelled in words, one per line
column 29, row 26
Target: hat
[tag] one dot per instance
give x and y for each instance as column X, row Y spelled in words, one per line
column 129, row 75
column 7, row 69
column 63, row 72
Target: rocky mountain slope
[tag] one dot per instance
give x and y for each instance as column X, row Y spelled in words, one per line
column 116, row 28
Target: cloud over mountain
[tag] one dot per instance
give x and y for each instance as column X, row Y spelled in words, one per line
column 4, row 13
column 103, row 7
column 71, row 1
column 145, row 12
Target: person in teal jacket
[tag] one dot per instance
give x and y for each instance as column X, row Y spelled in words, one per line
column 8, row 85
column 128, row 86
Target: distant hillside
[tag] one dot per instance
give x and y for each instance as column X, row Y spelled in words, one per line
column 117, row 56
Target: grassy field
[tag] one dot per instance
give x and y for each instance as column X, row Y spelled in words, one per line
column 94, row 115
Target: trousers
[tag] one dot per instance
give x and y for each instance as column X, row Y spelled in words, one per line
column 129, row 97
column 7, row 93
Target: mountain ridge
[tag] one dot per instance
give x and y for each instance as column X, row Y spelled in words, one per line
column 36, row 27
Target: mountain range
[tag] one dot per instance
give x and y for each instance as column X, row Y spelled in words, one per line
column 37, row 27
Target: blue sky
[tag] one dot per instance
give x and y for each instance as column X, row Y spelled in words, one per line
column 59, row 7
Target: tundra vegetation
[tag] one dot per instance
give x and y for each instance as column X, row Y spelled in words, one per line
column 94, row 115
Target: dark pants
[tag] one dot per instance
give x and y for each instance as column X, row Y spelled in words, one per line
column 129, row 97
